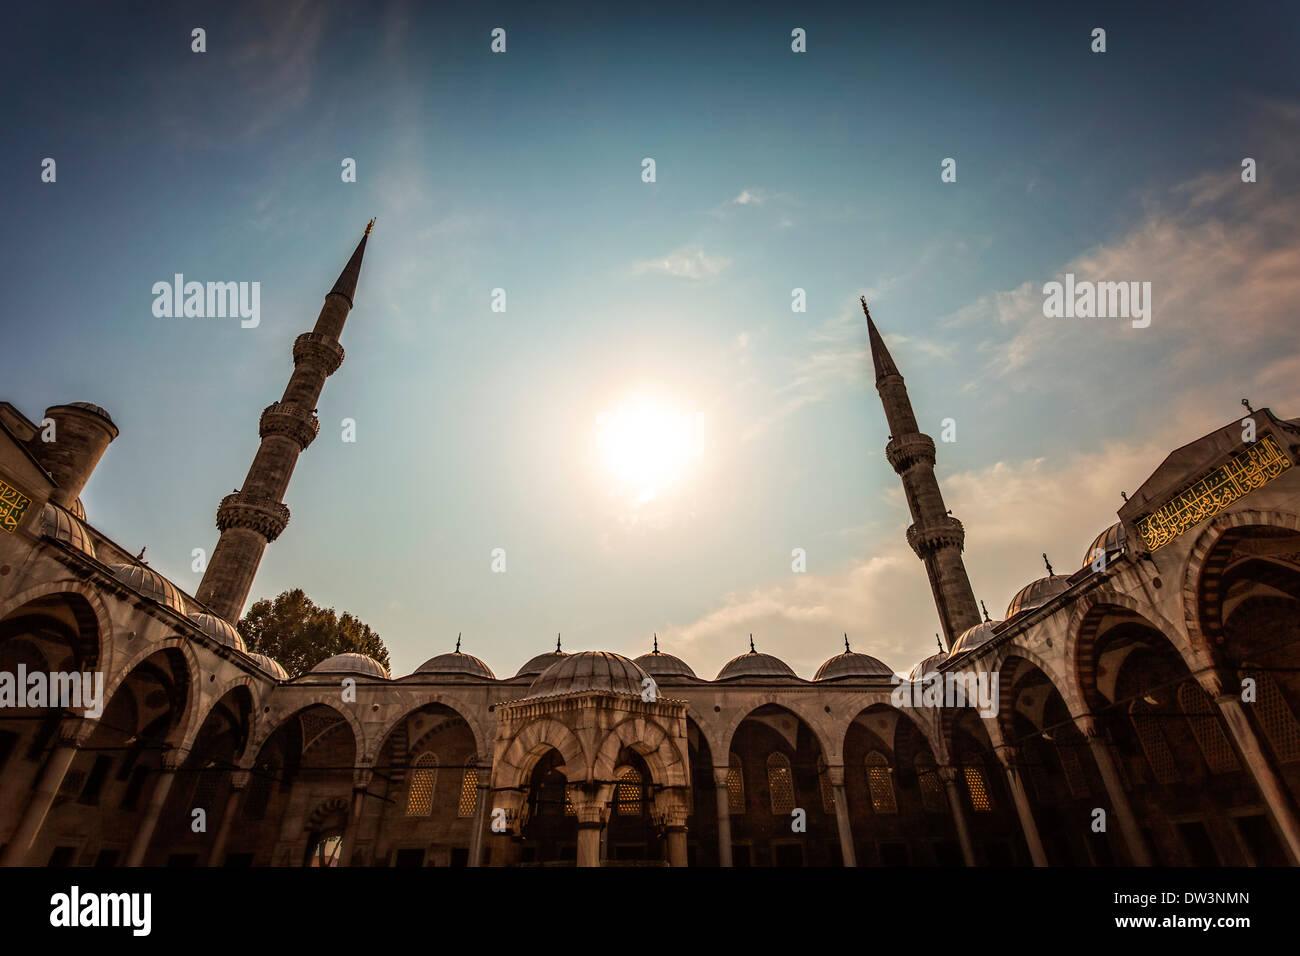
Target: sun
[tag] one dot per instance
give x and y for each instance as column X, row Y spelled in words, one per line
column 648, row 444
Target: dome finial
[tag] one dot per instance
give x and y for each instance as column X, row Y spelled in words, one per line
column 1050, row 572
column 939, row 642
column 457, row 642
column 984, row 609
column 751, row 644
column 846, row 644
column 557, row 642
column 1246, row 402
column 656, row 642
column 370, row 225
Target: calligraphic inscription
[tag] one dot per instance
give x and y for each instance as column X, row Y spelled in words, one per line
column 13, row 505
column 1238, row 476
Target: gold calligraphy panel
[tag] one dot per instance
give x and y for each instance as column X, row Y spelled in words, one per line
column 1238, row 476
column 13, row 505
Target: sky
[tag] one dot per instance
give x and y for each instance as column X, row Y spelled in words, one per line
column 649, row 429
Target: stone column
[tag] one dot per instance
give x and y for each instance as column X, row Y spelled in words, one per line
column 484, row 796
column 948, row 774
column 1007, row 757
column 1253, row 755
column 590, row 809
column 38, row 806
column 843, row 824
column 670, row 811
column 171, row 761
column 724, row 815
column 1139, row 853
column 238, row 785
column 353, row 825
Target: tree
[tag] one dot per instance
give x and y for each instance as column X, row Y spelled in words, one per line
column 298, row 635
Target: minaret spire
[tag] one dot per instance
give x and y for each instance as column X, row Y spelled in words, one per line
column 255, row 514
column 935, row 536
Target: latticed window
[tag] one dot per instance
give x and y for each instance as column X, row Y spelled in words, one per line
column 627, row 793
column 1274, row 716
column 780, row 781
column 1152, row 738
column 735, row 786
column 424, row 774
column 880, row 780
column 977, row 787
column 927, row 777
column 569, row 808
column 1199, row 710
column 827, row 788
column 205, row 787
column 1075, row 778
column 468, row 804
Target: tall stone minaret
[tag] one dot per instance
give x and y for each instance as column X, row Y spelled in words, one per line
column 255, row 514
column 935, row 535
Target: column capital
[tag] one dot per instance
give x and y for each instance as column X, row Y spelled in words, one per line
column 1088, row 725
column 173, row 759
column 720, row 775
column 947, row 773
column 836, row 772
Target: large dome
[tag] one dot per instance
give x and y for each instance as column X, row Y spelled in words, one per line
column 218, row 629
column 659, row 664
column 850, row 664
column 63, row 526
column 272, row 667
column 1113, row 541
column 973, row 637
column 351, row 663
column 590, row 671
column 755, row 664
column 455, row 662
column 540, row 663
column 150, row 583
column 1037, row 593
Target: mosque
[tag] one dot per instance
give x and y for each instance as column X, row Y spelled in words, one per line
column 1145, row 700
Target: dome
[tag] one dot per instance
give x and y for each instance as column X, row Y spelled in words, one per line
column 755, row 664
column 88, row 407
column 1037, row 593
column 456, row 663
column 218, row 629
column 1114, row 540
column 590, row 671
column 78, row 509
column 540, row 663
column 659, row 664
column 271, row 667
column 351, row 663
column 62, row 526
column 149, row 583
column 850, row 664
column 973, row 637
column 931, row 663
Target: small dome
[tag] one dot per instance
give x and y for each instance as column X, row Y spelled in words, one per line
column 973, row 637
column 1114, row 540
column 270, row 666
column 659, row 664
column 590, row 671
column 456, row 663
column 540, row 663
column 850, row 664
column 62, row 526
column 1036, row 594
column 218, row 629
column 351, row 663
column 93, row 409
column 926, row 666
column 78, row 510
column 149, row 583
column 755, row 664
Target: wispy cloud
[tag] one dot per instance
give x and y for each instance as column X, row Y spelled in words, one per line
column 689, row 263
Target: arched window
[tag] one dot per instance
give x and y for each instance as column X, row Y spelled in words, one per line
column 627, row 793
column 1274, row 716
column 1199, row 710
column 424, row 775
column 927, row 777
column 1154, row 745
column 977, row 787
column 735, row 786
column 827, row 788
column 468, row 804
column 780, row 781
column 880, row 780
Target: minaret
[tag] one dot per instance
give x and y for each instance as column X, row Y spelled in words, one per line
column 935, row 535
column 255, row 514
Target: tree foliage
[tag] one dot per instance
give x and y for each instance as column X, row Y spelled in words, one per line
column 297, row 634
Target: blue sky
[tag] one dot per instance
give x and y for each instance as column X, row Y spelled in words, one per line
column 476, row 429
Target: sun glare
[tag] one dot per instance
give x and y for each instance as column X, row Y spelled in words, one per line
column 648, row 445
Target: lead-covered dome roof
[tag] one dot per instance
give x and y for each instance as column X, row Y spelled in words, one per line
column 149, row 583
column 455, row 662
column 590, row 671
column 218, row 629
column 64, row 526
column 973, row 637
column 540, row 663
column 351, row 663
column 853, row 664
column 927, row 666
column 754, row 664
column 1037, row 593
column 272, row 667
column 1112, row 541
column 659, row 664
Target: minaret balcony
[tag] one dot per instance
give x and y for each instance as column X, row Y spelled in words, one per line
column 319, row 350
column 268, row 518
column 947, row 532
column 291, row 421
column 904, row 451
